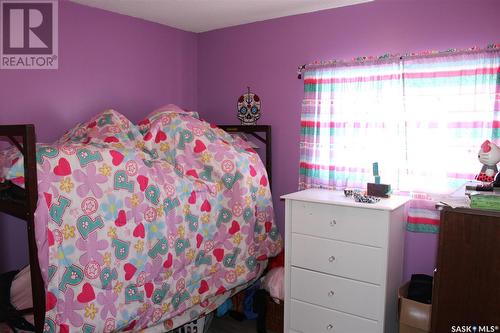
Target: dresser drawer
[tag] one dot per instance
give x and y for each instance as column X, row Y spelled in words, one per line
column 359, row 225
column 358, row 298
column 308, row 318
column 348, row 260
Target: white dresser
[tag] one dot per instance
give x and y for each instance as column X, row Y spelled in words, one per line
column 344, row 263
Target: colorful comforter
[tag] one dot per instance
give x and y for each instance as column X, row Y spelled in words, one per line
column 148, row 226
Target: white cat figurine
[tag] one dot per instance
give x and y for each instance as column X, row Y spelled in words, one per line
column 489, row 156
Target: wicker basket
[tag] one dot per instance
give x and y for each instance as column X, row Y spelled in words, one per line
column 274, row 315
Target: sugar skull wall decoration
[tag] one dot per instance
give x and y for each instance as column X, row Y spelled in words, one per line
column 249, row 105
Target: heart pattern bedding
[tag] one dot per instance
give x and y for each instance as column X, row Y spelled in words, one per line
column 147, row 226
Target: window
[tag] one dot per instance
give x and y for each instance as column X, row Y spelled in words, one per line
column 423, row 119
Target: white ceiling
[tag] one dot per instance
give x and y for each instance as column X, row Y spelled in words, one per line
column 206, row 15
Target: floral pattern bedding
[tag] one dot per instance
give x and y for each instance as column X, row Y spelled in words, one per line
column 147, row 226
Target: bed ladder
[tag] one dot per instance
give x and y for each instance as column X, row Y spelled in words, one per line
column 25, row 210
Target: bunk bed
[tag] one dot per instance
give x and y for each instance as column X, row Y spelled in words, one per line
column 21, row 202
column 256, row 131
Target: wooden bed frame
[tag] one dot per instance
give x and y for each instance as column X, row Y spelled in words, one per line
column 22, row 203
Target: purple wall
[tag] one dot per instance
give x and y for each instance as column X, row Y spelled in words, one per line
column 265, row 56
column 107, row 60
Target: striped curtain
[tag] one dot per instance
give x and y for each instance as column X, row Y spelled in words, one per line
column 351, row 117
column 452, row 106
column 423, row 119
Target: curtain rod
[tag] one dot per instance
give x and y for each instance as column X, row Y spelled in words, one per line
column 393, row 57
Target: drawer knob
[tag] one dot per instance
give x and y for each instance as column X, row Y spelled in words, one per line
column 329, row 327
column 331, row 293
column 331, row 259
column 333, row 223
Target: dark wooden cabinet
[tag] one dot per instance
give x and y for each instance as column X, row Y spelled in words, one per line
column 467, row 282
